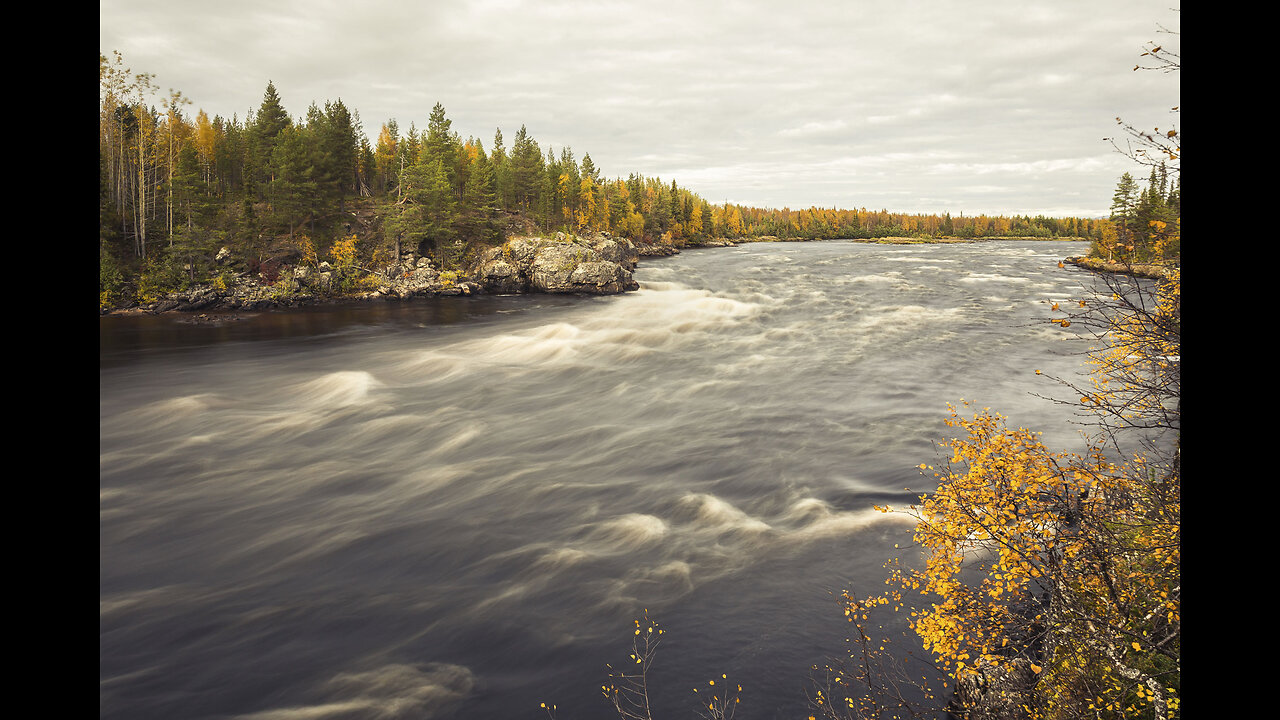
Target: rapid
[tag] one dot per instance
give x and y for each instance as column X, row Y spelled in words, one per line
column 456, row 507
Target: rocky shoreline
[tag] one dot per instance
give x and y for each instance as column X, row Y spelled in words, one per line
column 1154, row 272
column 596, row 264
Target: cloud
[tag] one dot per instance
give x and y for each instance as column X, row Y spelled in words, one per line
column 690, row 91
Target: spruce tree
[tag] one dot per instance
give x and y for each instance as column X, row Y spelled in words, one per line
column 270, row 120
column 293, row 192
column 1124, row 205
column 526, row 170
column 479, row 211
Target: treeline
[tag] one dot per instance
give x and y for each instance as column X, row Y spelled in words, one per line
column 175, row 189
column 1144, row 222
column 278, row 189
column 833, row 223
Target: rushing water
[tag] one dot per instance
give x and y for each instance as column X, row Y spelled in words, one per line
column 455, row 508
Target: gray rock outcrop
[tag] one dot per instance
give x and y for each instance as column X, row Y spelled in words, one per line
column 599, row 265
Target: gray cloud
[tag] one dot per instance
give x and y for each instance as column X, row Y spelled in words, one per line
column 919, row 106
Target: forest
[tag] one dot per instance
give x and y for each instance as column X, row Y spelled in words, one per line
column 278, row 190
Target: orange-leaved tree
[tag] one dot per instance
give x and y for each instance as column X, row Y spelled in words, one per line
column 1052, row 580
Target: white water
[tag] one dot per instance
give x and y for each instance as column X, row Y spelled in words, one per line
column 439, row 510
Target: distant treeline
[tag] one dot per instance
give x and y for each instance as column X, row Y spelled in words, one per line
column 863, row 223
column 174, row 189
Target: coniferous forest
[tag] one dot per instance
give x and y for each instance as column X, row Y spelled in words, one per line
column 278, row 190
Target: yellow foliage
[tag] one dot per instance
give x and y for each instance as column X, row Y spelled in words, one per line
column 343, row 252
column 1066, row 562
column 308, row 251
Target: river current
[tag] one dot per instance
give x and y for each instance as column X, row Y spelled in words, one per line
column 456, row 508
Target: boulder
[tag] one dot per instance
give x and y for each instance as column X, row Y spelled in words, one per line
column 563, row 264
column 618, row 250
column 499, row 275
column 995, row 692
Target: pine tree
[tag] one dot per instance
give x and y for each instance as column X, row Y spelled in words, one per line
column 193, row 203
column 432, row 215
column 1124, row 206
column 569, row 187
column 503, row 182
column 340, row 148
column 589, row 169
column 292, row 194
column 479, row 210
column 526, row 171
column 270, row 120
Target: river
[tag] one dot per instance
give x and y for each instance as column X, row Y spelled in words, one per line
column 456, row 508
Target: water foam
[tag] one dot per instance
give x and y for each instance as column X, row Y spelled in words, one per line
column 345, row 387
column 627, row 532
column 904, row 318
column 887, row 279
column 391, row 692
column 652, row 319
column 163, row 412
column 816, row 518
column 992, row 277
column 710, row 511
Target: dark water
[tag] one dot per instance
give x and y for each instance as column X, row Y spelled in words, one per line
column 455, row 508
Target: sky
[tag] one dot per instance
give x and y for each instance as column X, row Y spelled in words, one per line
column 921, row 106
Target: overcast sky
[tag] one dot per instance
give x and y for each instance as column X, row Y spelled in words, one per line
column 982, row 106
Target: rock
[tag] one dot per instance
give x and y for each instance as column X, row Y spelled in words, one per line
column 656, row 250
column 1155, row 272
column 501, row 276
column 617, row 250
column 598, row 264
column 557, row 265
column 995, row 693
column 554, row 264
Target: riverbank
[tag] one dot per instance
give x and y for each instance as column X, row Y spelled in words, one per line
column 594, row 264
column 598, row 263
column 1142, row 270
